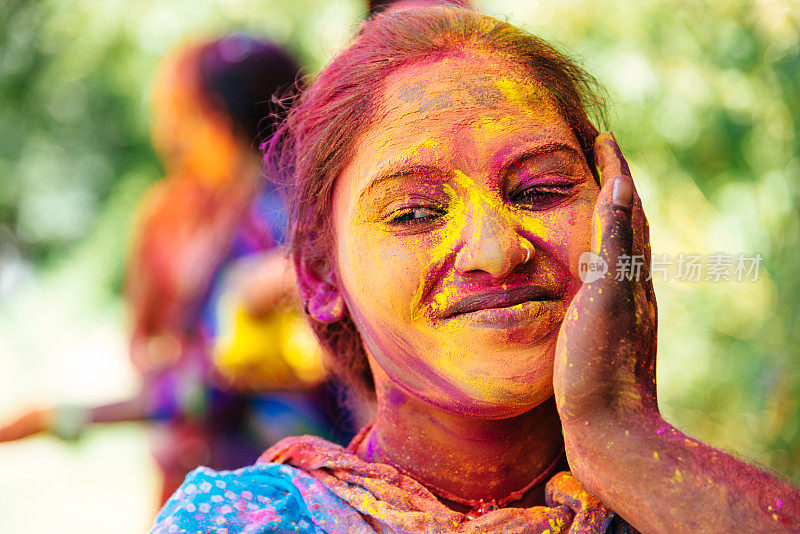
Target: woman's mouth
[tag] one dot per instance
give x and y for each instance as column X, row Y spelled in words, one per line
column 507, row 308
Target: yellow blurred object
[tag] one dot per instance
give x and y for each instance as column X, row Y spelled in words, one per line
column 274, row 352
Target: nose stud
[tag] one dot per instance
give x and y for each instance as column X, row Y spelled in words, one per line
column 527, row 246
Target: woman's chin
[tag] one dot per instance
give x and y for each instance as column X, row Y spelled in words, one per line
column 500, row 399
column 493, row 382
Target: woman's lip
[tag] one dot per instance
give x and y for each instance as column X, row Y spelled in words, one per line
column 542, row 315
column 496, row 299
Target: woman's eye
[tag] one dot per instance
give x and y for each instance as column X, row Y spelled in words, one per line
column 541, row 197
column 414, row 215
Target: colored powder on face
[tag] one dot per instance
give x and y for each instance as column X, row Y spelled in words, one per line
column 446, row 245
column 446, row 295
column 478, row 200
column 482, row 199
column 475, row 131
column 524, row 93
column 413, row 150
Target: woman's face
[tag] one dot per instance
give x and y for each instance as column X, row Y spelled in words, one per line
column 467, row 164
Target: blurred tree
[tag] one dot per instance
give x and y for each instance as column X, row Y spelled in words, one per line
column 72, row 128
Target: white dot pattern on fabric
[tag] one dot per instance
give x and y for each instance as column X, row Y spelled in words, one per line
column 259, row 499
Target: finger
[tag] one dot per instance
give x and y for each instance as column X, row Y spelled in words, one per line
column 634, row 250
column 613, row 234
column 608, row 158
column 611, row 163
column 612, row 295
column 600, row 324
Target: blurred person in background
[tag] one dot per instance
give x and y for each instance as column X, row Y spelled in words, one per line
column 227, row 365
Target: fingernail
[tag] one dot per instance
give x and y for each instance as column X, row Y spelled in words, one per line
column 622, row 193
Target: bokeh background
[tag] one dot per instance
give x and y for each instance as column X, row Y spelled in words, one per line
column 704, row 99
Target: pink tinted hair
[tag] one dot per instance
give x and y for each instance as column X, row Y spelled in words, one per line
column 320, row 130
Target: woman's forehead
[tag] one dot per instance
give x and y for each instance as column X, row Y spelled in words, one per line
column 466, row 80
column 457, row 111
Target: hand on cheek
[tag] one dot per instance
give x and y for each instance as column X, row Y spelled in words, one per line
column 605, row 355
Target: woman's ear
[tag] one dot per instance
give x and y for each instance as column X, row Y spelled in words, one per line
column 319, row 289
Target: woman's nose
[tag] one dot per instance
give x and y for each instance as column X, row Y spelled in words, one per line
column 491, row 242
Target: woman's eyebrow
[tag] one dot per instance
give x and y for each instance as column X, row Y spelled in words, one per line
column 515, row 160
column 394, row 172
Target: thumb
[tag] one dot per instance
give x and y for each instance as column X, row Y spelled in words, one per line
column 612, row 236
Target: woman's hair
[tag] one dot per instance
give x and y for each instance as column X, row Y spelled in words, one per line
column 228, row 81
column 240, row 75
column 319, row 133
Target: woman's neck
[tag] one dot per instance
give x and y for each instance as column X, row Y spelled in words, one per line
column 463, row 456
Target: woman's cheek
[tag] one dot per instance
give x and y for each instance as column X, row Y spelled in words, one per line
column 551, row 233
column 355, row 262
column 578, row 238
column 383, row 272
column 401, row 276
column 564, row 234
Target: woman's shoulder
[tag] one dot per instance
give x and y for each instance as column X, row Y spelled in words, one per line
column 221, row 502
column 269, row 496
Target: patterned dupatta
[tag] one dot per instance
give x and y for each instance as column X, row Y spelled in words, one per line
column 390, row 501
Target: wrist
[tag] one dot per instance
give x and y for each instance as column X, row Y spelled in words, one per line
column 608, row 439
